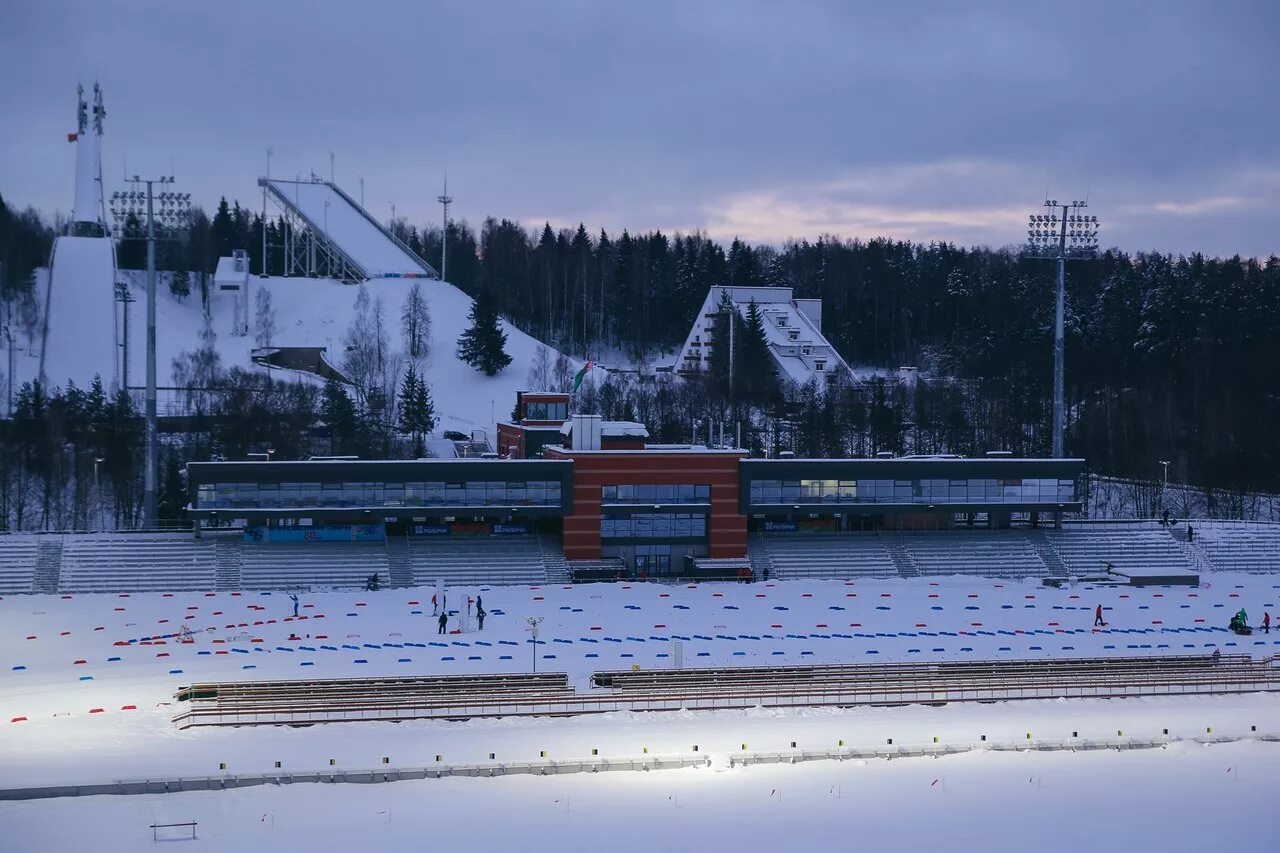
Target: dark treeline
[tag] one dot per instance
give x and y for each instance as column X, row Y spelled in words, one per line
column 1168, row 357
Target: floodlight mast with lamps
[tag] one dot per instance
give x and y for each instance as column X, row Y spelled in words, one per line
column 1069, row 236
column 172, row 221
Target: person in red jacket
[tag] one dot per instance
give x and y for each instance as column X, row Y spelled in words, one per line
column 1266, row 622
column 1097, row 617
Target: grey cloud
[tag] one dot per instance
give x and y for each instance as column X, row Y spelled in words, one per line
column 661, row 114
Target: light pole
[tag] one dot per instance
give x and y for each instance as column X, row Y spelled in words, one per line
column 97, row 487
column 534, row 622
column 445, row 199
column 1071, row 235
column 174, row 220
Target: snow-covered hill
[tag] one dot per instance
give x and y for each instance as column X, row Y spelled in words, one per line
column 317, row 313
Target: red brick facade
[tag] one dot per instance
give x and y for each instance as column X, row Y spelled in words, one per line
column 726, row 527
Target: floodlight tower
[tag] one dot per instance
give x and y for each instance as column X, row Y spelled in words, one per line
column 1065, row 233
column 171, row 222
column 445, row 199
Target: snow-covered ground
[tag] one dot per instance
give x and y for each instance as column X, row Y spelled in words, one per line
column 1183, row 798
column 74, row 665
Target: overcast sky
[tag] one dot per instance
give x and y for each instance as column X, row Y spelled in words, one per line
column 769, row 121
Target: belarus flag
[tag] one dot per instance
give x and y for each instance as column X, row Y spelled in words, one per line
column 577, row 380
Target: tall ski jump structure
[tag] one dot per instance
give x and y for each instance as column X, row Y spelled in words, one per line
column 79, row 326
column 326, row 228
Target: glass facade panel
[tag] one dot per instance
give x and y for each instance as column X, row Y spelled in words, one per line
column 653, row 525
column 377, row 494
column 655, row 495
column 975, row 490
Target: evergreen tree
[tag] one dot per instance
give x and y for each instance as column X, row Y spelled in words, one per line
column 180, row 284
column 417, row 411
column 483, row 344
column 339, row 415
column 754, row 376
column 223, row 230
column 718, row 338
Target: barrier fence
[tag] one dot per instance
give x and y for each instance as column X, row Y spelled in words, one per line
column 466, row 697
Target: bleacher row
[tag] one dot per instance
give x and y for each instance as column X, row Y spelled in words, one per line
column 18, row 556
column 178, row 562
column 1010, row 554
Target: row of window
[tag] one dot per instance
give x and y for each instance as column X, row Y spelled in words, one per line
column 371, row 494
column 973, row 490
column 653, row 525
column 665, row 494
column 546, row 411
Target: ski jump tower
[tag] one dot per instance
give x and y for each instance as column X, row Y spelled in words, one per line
column 78, row 333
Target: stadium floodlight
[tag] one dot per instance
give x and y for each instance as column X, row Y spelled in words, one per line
column 172, row 221
column 1066, row 233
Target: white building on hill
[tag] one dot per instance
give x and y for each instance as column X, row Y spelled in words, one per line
column 793, row 328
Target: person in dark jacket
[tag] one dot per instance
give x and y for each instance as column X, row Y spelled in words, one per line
column 1191, row 533
column 444, row 621
column 1097, row 617
column 480, row 614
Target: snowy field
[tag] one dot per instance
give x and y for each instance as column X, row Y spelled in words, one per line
column 1184, row 798
column 62, row 658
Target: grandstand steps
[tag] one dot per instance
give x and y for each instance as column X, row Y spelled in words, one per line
column 48, row 575
column 553, row 562
column 1052, row 562
column 901, row 557
column 399, row 561
column 228, row 562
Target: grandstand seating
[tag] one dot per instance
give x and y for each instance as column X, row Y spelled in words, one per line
column 818, row 556
column 488, row 560
column 17, row 563
column 136, row 563
column 1125, row 548
column 292, row 565
column 1240, row 548
column 986, row 553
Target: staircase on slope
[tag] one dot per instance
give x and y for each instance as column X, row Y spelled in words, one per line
column 48, row 574
column 228, row 562
column 901, row 557
column 399, row 561
column 1048, row 554
column 759, row 558
column 553, row 563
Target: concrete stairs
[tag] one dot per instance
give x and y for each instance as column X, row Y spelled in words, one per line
column 48, row 574
column 228, row 561
column 901, row 557
column 399, row 561
column 553, row 560
column 1044, row 548
column 759, row 557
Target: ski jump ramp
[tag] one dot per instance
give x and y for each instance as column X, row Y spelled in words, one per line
column 344, row 229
